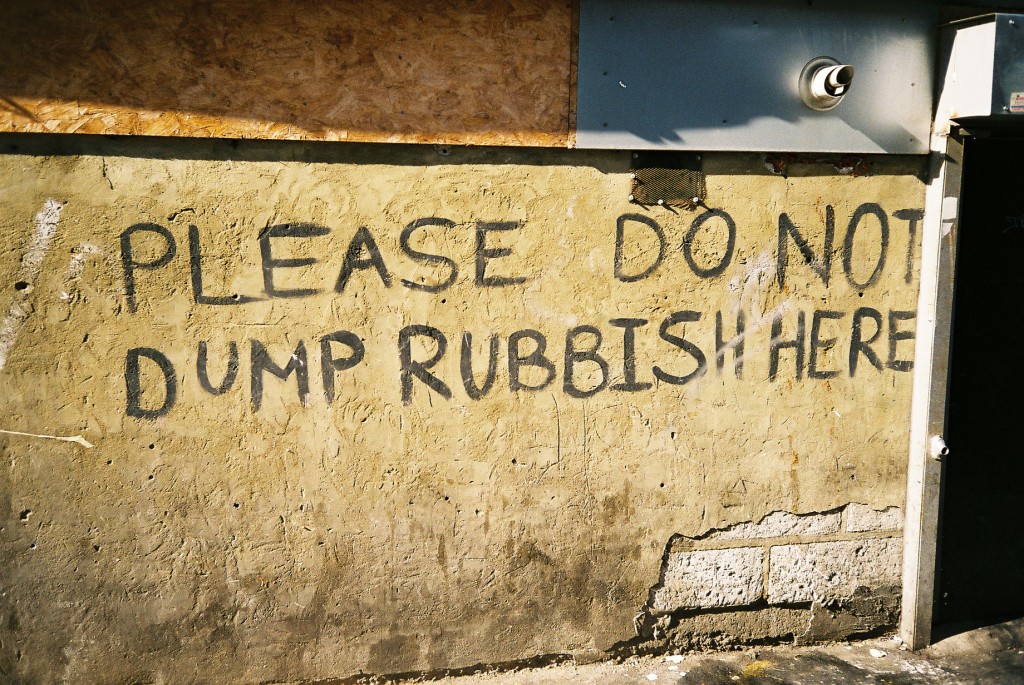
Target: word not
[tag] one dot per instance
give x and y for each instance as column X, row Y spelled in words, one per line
column 719, row 220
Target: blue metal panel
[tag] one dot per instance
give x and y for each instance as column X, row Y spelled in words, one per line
column 701, row 75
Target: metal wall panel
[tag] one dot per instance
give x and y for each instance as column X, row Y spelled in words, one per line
column 1008, row 65
column 698, row 75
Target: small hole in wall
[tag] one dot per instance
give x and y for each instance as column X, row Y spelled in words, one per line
column 860, row 294
column 447, row 499
column 109, row 462
column 672, row 435
column 21, row 285
column 152, row 446
column 25, row 514
column 96, row 548
column 444, row 301
column 234, row 296
column 151, row 476
column 514, row 462
column 662, row 485
column 32, row 546
column 236, row 505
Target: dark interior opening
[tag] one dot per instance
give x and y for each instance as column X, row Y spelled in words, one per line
column 981, row 540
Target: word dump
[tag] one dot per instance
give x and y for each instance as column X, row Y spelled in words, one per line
column 679, row 349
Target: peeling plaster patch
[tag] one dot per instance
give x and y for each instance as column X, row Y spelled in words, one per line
column 711, row 578
column 779, row 524
column 73, row 438
column 31, row 261
column 831, row 571
column 861, row 518
column 783, row 559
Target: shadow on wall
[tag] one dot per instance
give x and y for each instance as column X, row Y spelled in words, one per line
column 475, row 71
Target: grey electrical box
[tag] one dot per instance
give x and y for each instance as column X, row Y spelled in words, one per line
column 985, row 72
column 702, row 75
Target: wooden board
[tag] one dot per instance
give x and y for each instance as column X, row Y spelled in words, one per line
column 455, row 72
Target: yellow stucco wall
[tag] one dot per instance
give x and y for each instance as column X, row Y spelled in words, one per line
column 307, row 539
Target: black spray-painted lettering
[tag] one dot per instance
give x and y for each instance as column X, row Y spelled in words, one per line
column 858, row 345
column 821, row 266
column 735, row 344
column 330, row 365
column 261, row 361
column 575, row 356
column 682, row 343
column 128, row 260
column 195, row 263
column 778, row 343
column 484, row 254
column 817, row 343
column 629, row 382
column 269, row 263
column 466, row 366
column 620, row 237
column 535, row 359
column 883, row 247
column 202, row 371
column 895, row 335
column 426, row 257
column 725, row 259
column 354, row 259
column 133, row 383
column 411, row 368
column 912, row 217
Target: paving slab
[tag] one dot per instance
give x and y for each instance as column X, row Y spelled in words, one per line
column 992, row 655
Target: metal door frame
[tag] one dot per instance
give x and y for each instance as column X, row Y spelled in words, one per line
column 940, row 231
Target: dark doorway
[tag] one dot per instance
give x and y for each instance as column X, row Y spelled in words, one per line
column 981, row 539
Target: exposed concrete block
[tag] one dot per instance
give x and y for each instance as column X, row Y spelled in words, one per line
column 711, row 578
column 830, row 571
column 781, row 523
column 866, row 611
column 860, row 518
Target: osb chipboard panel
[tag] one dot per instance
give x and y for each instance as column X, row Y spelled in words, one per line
column 467, row 72
column 504, row 393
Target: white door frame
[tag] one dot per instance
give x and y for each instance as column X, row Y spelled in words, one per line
column 931, row 373
column 964, row 68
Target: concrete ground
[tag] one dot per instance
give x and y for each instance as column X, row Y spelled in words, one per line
column 990, row 655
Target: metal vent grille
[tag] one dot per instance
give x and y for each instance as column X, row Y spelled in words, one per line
column 672, row 179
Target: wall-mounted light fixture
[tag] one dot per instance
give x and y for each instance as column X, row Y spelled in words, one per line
column 824, row 82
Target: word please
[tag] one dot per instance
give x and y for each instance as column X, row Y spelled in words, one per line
column 362, row 254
